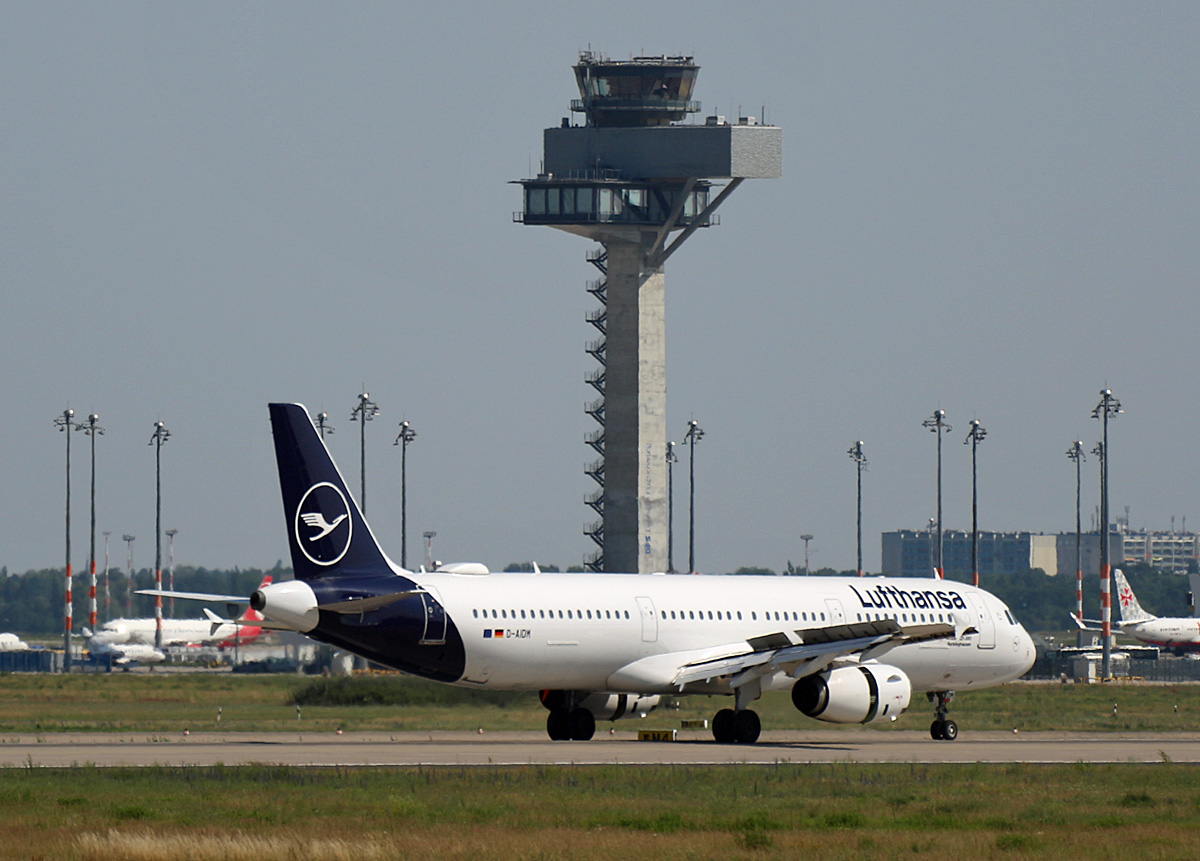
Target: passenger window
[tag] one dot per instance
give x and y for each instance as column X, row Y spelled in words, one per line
column 569, row 614
column 739, row 615
column 475, row 613
column 589, row 612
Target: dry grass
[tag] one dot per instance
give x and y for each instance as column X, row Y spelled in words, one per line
column 147, row 846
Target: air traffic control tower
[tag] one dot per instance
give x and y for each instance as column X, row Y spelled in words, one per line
column 638, row 180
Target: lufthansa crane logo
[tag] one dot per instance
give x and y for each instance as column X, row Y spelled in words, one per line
column 323, row 525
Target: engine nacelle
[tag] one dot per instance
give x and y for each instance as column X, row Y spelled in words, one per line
column 857, row 694
column 290, row 603
column 602, row 706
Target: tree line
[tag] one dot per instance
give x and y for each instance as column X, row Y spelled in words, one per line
column 32, row 602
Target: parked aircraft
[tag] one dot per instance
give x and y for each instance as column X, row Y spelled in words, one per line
column 209, row 631
column 12, row 643
column 1179, row 634
column 103, row 651
column 608, row 646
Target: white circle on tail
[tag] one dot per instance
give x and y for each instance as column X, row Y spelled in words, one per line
column 323, row 526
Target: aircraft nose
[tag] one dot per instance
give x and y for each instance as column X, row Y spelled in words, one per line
column 1026, row 650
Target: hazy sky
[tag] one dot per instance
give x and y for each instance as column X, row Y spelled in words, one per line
column 990, row 208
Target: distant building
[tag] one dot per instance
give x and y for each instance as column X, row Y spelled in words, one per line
column 1169, row 551
column 913, row 553
column 1089, row 552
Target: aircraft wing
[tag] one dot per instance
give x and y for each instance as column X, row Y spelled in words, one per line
column 817, row 650
column 1094, row 625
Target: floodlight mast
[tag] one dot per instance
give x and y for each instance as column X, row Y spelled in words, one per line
column 938, row 425
column 806, row 538
column 694, row 434
column 406, row 435
column 160, row 436
column 92, row 429
column 974, row 438
column 1109, row 407
column 128, row 539
column 672, row 459
column 1075, row 453
column 860, row 463
column 171, row 533
column 323, row 426
column 107, row 596
column 363, row 413
column 66, row 423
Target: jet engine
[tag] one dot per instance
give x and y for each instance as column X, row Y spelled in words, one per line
column 290, row 603
column 602, row 706
column 853, row 694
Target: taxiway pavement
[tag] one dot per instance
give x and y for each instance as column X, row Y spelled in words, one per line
column 620, row 748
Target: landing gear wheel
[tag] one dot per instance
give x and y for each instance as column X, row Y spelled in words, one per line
column 582, row 724
column 558, row 725
column 722, row 726
column 942, row 728
column 746, row 727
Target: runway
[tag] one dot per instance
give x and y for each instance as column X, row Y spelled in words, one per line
column 621, row 748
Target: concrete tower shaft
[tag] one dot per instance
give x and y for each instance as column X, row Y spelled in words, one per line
column 629, row 179
column 635, row 427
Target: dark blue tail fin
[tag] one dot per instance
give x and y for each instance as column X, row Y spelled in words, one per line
column 327, row 534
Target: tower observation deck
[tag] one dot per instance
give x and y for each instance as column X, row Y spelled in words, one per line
column 629, row 177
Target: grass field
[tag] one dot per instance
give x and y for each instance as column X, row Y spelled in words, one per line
column 840, row 811
column 164, row 702
column 831, row 812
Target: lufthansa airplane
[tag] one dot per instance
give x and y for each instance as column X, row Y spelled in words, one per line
column 610, row 646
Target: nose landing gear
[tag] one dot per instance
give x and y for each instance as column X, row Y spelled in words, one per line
column 942, row 728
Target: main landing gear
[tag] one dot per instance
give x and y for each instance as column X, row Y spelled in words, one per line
column 736, row 727
column 570, row 724
column 942, row 728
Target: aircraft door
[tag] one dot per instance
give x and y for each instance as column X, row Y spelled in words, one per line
column 983, row 621
column 649, row 620
column 836, row 616
column 435, row 619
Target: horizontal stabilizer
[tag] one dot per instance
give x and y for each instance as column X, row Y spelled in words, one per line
column 356, row 606
column 197, row 596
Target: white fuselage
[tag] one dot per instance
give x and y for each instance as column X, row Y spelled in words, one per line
column 630, row 632
column 175, row 632
column 1165, row 632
